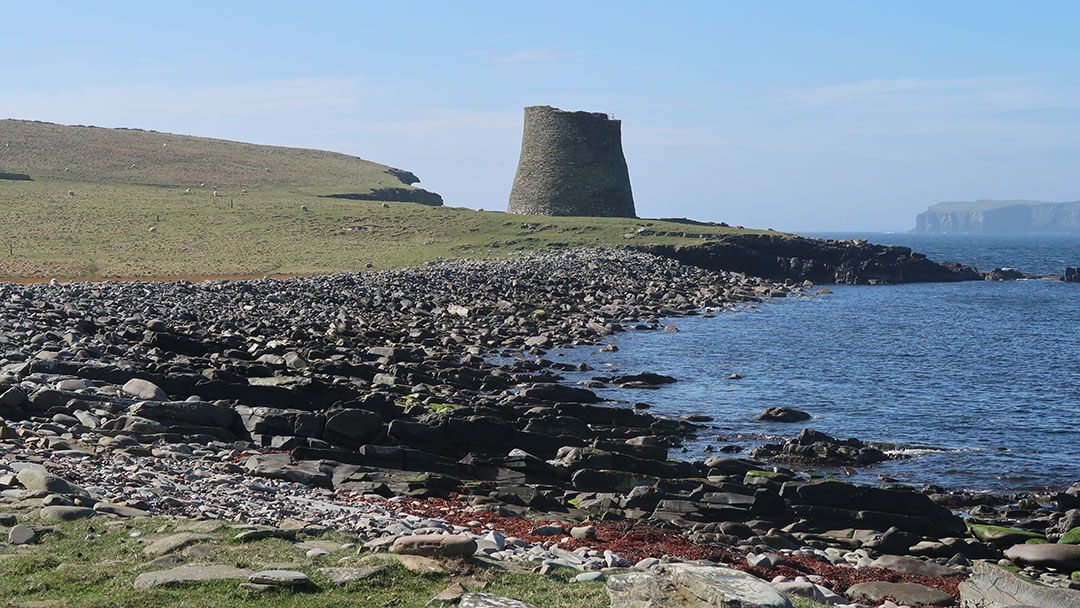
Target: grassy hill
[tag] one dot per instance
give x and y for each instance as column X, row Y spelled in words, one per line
column 104, row 230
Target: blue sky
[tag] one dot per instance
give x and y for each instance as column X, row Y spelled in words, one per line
column 801, row 116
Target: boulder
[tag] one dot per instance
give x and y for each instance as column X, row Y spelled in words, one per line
column 690, row 586
column 144, row 389
column 1063, row 557
column 992, row 586
column 550, row 391
column 782, row 414
column 911, row 565
column 351, row 427
column 39, row 480
column 199, row 413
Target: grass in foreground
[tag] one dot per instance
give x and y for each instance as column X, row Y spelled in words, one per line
column 91, row 563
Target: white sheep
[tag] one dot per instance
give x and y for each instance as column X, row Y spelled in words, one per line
column 215, row 193
column 152, row 229
column 187, row 191
column 304, row 208
column 132, row 165
column 202, row 184
column 243, row 191
column 71, row 193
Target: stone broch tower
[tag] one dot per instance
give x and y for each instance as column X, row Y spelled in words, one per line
column 571, row 164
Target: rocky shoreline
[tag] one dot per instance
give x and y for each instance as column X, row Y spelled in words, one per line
column 322, row 400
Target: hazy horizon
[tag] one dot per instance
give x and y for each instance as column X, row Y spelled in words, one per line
column 833, row 117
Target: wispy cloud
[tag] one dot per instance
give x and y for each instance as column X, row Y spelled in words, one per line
column 533, row 55
column 935, row 105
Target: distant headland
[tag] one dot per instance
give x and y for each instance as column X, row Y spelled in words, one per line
column 1000, row 217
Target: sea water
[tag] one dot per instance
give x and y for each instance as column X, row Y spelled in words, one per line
column 980, row 378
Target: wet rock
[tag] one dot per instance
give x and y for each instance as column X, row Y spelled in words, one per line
column 782, row 414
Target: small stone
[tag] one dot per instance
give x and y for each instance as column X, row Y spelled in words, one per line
column 317, row 553
column 588, row 577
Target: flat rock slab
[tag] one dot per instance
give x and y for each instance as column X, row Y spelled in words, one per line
column 688, row 586
column 1065, row 557
column 344, row 576
column 912, row 594
column 185, row 574
column 259, row 534
column 487, row 600
column 421, row 564
column 175, row 542
column 120, row 510
column 910, row 565
column 992, row 586
column 61, row 513
column 281, row 578
column 435, row 544
column 22, row 535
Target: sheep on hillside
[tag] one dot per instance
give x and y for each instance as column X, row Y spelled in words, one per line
column 187, row 191
column 132, row 165
column 304, row 208
column 152, row 229
column 71, row 193
column 215, row 193
column 243, row 191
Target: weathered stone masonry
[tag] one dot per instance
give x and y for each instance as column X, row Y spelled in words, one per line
column 571, row 163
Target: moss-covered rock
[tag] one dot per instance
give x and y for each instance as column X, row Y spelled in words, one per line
column 1001, row 535
column 1072, row 537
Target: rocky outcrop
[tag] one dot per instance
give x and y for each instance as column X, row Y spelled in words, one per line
column 404, row 195
column 781, row 257
column 1000, row 217
column 992, row 586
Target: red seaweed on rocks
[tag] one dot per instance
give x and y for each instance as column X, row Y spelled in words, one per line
column 635, row 540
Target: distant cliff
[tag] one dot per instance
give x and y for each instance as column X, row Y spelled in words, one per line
column 1000, row 217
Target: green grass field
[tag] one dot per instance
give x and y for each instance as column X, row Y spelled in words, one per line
column 104, row 230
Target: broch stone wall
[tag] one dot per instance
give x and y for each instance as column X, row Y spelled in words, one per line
column 571, row 163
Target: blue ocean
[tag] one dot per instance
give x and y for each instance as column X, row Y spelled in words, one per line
column 981, row 379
